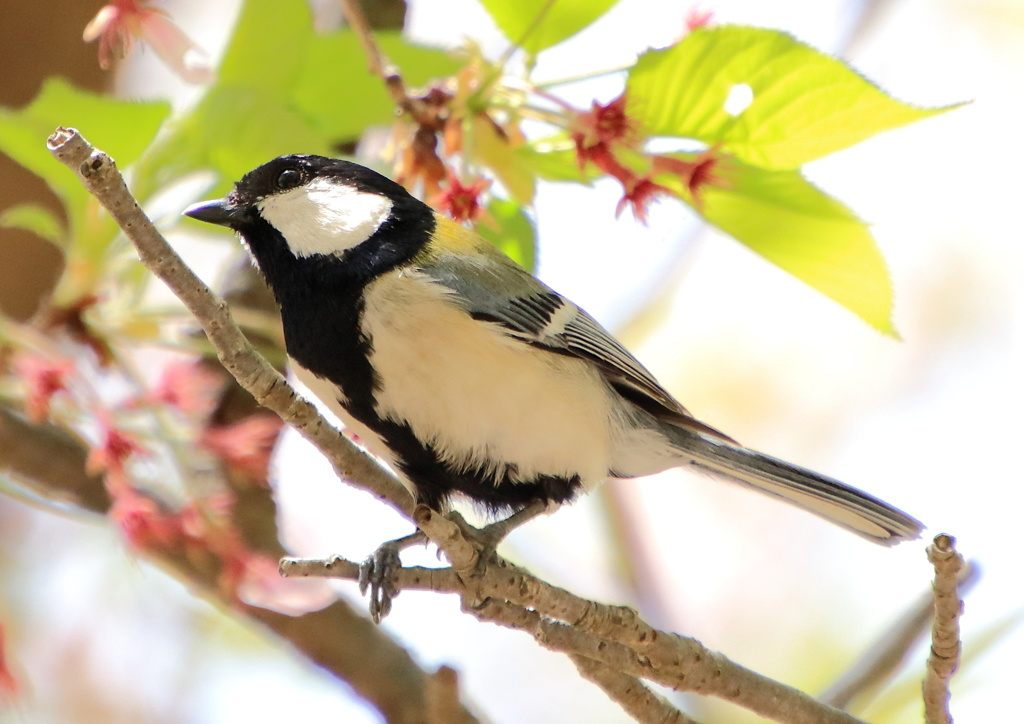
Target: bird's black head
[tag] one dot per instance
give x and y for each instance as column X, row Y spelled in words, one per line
column 324, row 210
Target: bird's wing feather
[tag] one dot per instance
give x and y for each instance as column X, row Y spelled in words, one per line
column 493, row 289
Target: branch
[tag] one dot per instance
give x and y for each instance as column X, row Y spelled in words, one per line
column 500, row 592
column 378, row 64
column 630, row 693
column 443, row 706
column 51, row 463
column 945, row 654
column 100, row 177
column 888, row 653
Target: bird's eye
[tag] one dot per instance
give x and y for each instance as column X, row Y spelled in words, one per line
column 289, row 179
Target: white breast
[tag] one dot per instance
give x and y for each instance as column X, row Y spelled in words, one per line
column 478, row 396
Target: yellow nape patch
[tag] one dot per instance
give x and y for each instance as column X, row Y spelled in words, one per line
column 452, row 236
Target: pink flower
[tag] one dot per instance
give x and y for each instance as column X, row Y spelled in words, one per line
column 8, row 684
column 639, row 194
column 638, row 191
column 190, row 386
column 43, row 379
column 702, row 171
column 112, row 454
column 460, row 202
column 603, row 126
column 246, row 446
column 698, row 18
column 120, row 23
column 143, row 521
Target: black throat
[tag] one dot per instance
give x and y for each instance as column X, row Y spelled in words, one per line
column 321, row 297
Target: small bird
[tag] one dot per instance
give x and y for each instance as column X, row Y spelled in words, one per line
column 462, row 371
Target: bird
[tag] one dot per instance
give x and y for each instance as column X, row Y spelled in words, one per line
column 466, row 374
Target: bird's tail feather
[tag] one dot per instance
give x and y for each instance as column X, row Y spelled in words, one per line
column 848, row 507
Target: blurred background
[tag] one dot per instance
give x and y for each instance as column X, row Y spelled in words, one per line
column 927, row 423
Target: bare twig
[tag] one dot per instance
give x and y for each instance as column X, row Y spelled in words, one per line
column 945, row 653
column 630, row 693
column 443, row 706
column 492, row 589
column 885, row 656
column 50, row 462
column 378, row 64
column 99, row 174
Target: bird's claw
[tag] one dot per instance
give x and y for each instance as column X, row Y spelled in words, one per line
column 377, row 574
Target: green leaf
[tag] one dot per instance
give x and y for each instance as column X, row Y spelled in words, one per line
column 492, row 149
column 235, row 129
column 121, row 128
column 340, row 96
column 285, row 89
column 798, row 227
column 418, row 64
column 37, row 219
column 806, row 104
column 268, row 46
column 538, row 24
column 552, row 161
column 515, row 237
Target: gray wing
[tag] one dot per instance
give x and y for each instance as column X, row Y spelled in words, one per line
column 494, row 289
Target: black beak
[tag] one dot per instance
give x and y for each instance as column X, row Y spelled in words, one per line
column 219, row 211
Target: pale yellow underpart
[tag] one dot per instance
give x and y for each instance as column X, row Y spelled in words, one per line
column 484, row 400
column 475, row 394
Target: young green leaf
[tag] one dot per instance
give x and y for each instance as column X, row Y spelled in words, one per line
column 516, row 236
column 340, row 96
column 37, row 219
column 235, row 129
column 268, row 46
column 805, row 105
column 538, row 24
column 492, row 149
column 122, row 128
column 798, row 227
column 556, row 161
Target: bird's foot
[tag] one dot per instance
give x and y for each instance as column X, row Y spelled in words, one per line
column 486, row 539
column 378, row 573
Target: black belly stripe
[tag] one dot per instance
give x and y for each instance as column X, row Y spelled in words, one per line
column 437, row 480
column 321, row 315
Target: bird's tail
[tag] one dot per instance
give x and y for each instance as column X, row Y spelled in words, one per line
column 848, row 507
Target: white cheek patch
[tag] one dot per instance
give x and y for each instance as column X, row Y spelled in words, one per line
column 325, row 217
